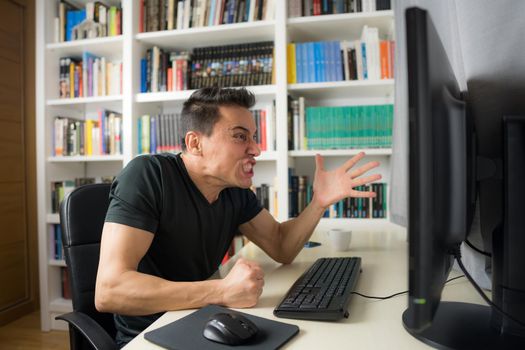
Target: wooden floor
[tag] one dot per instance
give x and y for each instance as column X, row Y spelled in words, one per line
column 25, row 334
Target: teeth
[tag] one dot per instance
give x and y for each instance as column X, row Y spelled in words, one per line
column 247, row 167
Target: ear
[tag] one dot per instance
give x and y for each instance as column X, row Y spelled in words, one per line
column 193, row 143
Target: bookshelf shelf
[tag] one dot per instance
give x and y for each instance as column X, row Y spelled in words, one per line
column 267, row 156
column 329, row 27
column 341, row 152
column 84, row 100
column 53, row 218
column 261, row 91
column 356, row 223
column 61, row 305
column 129, row 49
column 342, row 89
column 106, row 46
column 225, row 34
column 76, row 159
column 55, row 262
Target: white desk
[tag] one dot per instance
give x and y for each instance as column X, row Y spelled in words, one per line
column 372, row 324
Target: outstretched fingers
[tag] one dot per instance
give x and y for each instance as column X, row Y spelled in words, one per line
column 319, row 162
column 362, row 194
column 353, row 161
column 365, row 180
column 363, row 169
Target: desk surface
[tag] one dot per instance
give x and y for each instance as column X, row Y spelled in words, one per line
column 372, row 324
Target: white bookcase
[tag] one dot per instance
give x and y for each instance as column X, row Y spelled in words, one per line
column 129, row 48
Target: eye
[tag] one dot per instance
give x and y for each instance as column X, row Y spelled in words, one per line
column 241, row 137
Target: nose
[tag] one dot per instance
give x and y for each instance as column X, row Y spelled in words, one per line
column 254, row 149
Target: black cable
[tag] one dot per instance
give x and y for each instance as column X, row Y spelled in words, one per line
column 477, row 249
column 457, row 255
column 399, row 293
column 380, row 298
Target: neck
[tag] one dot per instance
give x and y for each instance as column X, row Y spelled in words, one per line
column 208, row 185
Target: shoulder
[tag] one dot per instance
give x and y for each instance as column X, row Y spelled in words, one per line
column 150, row 162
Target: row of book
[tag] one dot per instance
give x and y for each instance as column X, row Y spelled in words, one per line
column 362, row 208
column 94, row 20
column 89, row 76
column 299, row 8
column 162, row 132
column 267, row 197
column 300, row 194
column 311, row 128
column 159, row 133
column 75, row 137
column 164, row 70
column 60, row 189
column 323, row 61
column 183, row 14
column 233, row 65
column 265, row 123
column 224, row 66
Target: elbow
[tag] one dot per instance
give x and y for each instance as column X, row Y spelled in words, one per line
column 103, row 298
column 101, row 301
column 284, row 259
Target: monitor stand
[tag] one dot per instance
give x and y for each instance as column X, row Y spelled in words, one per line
column 464, row 326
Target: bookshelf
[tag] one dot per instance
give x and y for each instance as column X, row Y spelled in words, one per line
column 129, row 47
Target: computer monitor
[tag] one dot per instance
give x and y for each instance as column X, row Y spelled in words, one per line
column 442, row 199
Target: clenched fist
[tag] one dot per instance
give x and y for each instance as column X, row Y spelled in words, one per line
column 243, row 285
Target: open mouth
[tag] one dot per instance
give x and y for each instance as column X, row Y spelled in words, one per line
column 247, row 167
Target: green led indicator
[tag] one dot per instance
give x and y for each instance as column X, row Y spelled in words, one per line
column 420, row 301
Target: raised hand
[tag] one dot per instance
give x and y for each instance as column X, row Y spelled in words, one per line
column 331, row 186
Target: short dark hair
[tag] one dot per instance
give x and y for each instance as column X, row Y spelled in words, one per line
column 201, row 111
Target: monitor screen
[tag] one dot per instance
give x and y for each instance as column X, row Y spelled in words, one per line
column 437, row 220
column 442, row 197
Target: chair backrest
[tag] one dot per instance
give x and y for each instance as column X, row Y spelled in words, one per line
column 82, row 215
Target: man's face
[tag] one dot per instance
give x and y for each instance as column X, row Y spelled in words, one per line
column 230, row 150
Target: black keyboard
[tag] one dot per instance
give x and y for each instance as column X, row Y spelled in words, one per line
column 323, row 291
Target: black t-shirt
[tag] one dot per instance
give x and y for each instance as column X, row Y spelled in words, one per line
column 156, row 194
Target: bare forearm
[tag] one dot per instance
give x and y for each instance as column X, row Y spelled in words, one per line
column 295, row 233
column 135, row 293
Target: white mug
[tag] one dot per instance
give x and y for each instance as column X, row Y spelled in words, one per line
column 340, row 239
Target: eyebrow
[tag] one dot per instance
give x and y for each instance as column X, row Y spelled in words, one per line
column 240, row 127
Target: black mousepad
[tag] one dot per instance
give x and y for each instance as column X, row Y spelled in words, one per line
column 186, row 333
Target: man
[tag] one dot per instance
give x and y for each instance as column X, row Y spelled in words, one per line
column 172, row 217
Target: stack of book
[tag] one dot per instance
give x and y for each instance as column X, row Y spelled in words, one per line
column 95, row 20
column 346, row 127
column 299, row 8
column 161, row 132
column 183, row 14
column 366, row 59
column 74, row 137
column 224, row 66
column 267, row 197
column 362, row 208
column 300, row 195
column 89, row 76
column 164, row 70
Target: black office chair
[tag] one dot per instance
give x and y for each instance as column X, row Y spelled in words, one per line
column 82, row 216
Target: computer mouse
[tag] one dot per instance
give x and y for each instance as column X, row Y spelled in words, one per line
column 230, row 328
